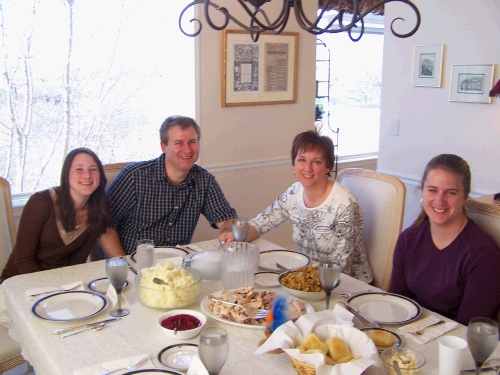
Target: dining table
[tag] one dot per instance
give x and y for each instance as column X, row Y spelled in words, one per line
column 138, row 333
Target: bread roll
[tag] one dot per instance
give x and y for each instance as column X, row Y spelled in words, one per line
column 346, row 359
column 382, row 338
column 311, row 341
column 337, row 348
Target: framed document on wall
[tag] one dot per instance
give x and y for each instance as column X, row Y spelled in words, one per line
column 259, row 73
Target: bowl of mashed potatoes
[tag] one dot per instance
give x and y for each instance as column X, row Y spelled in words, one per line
column 182, row 286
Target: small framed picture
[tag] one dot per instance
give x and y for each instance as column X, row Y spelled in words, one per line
column 471, row 83
column 427, row 65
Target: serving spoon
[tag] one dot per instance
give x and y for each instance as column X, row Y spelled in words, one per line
column 159, row 281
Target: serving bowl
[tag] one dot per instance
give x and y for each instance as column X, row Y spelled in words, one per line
column 303, row 292
column 181, row 319
column 390, row 355
column 207, row 262
column 182, row 289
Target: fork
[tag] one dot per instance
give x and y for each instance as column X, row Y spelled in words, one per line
column 419, row 332
column 131, row 368
column 58, row 290
column 250, row 311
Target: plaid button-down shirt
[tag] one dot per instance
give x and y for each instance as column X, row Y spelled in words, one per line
column 144, row 204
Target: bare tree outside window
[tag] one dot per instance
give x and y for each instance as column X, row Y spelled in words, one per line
column 101, row 74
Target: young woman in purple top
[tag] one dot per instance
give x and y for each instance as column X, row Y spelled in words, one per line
column 444, row 261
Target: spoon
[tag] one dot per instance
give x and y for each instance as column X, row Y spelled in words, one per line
column 396, row 367
column 92, row 328
column 159, row 281
column 176, row 326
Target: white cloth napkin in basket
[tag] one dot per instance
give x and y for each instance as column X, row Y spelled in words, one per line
column 428, row 334
column 113, row 365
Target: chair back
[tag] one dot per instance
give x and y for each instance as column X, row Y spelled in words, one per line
column 382, row 198
column 112, row 170
column 487, row 216
column 7, row 225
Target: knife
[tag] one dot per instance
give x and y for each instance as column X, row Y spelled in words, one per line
column 490, row 365
column 94, row 327
column 69, row 329
column 369, row 320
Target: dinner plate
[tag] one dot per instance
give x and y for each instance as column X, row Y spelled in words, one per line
column 178, row 356
column 165, row 252
column 384, row 308
column 101, row 285
column 287, row 258
column 204, row 307
column 69, row 306
column 152, row 371
column 398, row 341
column 267, row 279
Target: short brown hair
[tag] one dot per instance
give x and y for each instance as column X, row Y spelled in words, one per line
column 183, row 122
column 311, row 140
column 451, row 163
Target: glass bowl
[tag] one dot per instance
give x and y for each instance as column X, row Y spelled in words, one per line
column 417, row 361
column 184, row 286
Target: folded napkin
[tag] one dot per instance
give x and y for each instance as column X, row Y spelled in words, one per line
column 114, row 365
column 428, row 334
column 50, row 290
column 324, row 324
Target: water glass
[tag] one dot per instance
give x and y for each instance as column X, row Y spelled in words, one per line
column 239, row 261
column 213, row 349
column 240, row 227
column 145, row 254
column 117, row 271
column 482, row 338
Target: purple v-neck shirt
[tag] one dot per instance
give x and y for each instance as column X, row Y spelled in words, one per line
column 460, row 281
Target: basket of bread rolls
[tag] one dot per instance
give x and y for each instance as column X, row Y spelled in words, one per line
column 321, row 343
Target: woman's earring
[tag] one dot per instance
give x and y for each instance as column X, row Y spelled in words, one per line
column 465, row 210
column 421, row 200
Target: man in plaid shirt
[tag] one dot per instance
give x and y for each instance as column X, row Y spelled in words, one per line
column 162, row 199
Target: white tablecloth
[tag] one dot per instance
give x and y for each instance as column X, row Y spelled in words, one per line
column 138, row 333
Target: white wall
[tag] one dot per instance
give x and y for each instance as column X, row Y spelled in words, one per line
column 429, row 123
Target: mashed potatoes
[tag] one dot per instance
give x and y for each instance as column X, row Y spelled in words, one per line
column 182, row 288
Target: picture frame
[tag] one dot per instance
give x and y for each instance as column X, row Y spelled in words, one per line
column 259, row 73
column 471, row 83
column 427, row 65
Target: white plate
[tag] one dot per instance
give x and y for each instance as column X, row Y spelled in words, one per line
column 384, row 308
column 102, row 285
column 165, row 252
column 287, row 258
column 267, row 279
column 206, row 311
column 68, row 306
column 178, row 356
column 398, row 341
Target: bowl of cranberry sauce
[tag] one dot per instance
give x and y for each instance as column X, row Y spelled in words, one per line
column 181, row 324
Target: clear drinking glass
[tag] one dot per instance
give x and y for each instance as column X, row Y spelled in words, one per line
column 213, row 349
column 117, row 271
column 329, row 274
column 240, row 229
column 482, row 338
column 145, row 253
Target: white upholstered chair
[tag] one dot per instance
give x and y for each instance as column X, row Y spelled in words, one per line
column 382, row 198
column 112, row 170
column 487, row 216
column 10, row 350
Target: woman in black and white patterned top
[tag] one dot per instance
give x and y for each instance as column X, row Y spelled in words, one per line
column 326, row 217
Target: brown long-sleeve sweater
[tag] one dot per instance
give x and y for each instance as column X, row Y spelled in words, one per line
column 40, row 245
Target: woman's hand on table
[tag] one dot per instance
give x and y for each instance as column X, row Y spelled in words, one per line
column 226, row 237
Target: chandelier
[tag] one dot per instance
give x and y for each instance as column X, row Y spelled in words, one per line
column 259, row 22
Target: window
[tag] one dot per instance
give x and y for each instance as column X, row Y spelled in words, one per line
column 101, row 74
column 355, row 83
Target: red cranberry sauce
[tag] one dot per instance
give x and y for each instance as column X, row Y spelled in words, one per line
column 183, row 322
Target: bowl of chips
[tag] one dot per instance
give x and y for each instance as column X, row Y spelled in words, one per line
column 303, row 283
